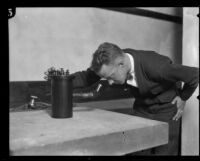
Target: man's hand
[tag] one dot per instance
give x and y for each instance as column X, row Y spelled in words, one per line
column 180, row 106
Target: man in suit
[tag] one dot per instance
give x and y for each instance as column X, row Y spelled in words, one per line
column 156, row 83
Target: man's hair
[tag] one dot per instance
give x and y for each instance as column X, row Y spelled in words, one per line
column 105, row 54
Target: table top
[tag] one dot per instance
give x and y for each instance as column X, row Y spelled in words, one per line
column 90, row 131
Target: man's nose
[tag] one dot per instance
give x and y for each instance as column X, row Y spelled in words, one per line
column 110, row 82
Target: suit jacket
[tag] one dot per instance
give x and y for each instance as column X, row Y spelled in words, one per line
column 159, row 80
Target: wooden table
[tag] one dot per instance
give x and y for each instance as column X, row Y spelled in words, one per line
column 90, row 131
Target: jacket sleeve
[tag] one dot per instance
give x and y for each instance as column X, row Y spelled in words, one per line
column 177, row 72
column 85, row 78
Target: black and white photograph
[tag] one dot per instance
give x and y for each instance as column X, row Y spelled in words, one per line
column 103, row 81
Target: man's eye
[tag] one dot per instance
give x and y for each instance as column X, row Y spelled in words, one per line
column 112, row 75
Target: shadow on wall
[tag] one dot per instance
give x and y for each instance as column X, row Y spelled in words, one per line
column 178, row 39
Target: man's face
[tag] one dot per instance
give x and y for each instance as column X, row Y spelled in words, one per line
column 115, row 72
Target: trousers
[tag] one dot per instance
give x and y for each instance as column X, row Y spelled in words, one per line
column 165, row 115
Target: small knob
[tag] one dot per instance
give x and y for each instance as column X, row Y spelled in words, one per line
column 32, row 102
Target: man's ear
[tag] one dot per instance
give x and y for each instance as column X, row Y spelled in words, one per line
column 121, row 62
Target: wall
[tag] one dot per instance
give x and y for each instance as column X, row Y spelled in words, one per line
column 66, row 37
column 190, row 119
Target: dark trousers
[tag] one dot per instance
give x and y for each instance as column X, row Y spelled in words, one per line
column 165, row 115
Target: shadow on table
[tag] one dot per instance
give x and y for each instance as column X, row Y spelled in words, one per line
column 75, row 109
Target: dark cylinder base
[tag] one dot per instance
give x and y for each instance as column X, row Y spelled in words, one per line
column 61, row 98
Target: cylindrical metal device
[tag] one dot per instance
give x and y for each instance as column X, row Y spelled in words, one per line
column 61, row 96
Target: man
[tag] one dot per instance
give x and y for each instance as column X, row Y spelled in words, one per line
column 156, row 83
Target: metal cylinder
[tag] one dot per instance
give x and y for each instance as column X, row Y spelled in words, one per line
column 61, row 96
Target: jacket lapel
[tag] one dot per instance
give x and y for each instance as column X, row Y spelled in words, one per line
column 139, row 73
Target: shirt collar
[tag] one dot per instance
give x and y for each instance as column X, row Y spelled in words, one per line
column 132, row 63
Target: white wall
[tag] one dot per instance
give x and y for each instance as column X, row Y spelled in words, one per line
column 190, row 119
column 66, row 37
